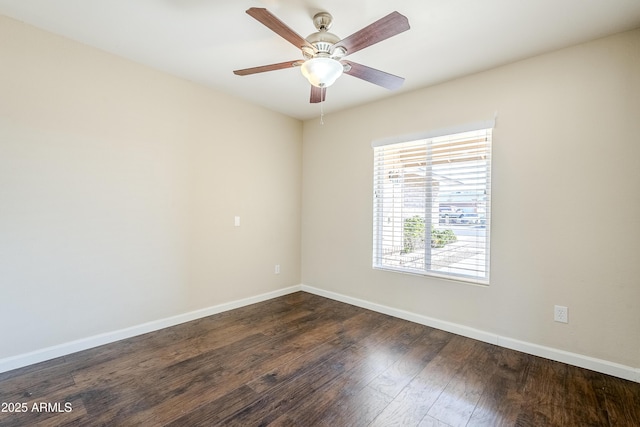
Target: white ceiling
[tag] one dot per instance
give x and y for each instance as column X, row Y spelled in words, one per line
column 205, row 40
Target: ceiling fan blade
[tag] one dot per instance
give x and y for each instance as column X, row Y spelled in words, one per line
column 277, row 26
column 377, row 77
column 264, row 68
column 389, row 26
column 318, row 94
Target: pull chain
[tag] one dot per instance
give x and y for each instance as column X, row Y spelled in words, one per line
column 321, row 112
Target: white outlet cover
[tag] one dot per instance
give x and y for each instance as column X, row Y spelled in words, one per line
column 561, row 314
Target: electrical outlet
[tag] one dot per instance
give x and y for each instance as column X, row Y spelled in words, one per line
column 561, row 314
column 276, row 270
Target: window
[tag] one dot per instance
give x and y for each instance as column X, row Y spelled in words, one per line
column 432, row 204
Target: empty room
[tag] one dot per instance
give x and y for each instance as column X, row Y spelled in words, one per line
column 320, row 213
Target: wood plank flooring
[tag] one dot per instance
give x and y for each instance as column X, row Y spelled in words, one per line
column 303, row 360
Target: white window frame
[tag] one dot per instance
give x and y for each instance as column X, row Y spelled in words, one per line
column 381, row 249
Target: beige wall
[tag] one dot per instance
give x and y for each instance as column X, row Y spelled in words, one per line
column 566, row 200
column 118, row 190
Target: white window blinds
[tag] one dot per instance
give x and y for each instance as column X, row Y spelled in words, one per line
column 432, row 205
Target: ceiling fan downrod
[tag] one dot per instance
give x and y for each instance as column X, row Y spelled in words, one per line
column 323, row 41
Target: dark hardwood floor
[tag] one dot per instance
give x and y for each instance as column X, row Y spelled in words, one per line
column 303, row 360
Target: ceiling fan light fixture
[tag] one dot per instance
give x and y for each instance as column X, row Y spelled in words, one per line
column 321, row 72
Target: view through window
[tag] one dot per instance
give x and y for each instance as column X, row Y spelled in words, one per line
column 432, row 206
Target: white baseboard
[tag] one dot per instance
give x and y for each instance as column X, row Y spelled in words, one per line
column 598, row 365
column 49, row 353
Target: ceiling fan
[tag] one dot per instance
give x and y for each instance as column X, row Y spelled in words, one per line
column 323, row 51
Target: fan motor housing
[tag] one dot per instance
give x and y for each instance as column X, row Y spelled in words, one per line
column 323, row 41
